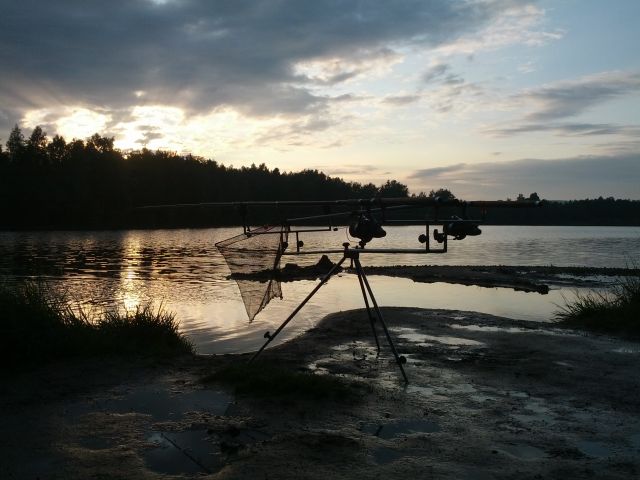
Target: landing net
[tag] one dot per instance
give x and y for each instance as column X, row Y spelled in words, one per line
column 254, row 258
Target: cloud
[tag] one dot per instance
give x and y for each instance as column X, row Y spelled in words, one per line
column 578, row 177
column 567, row 129
column 435, row 72
column 401, row 100
column 570, row 98
column 200, row 55
column 546, row 109
column 349, row 169
column 437, row 171
column 519, row 23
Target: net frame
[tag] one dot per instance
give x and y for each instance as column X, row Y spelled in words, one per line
column 254, row 260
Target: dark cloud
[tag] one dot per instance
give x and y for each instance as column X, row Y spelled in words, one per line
column 567, row 99
column 567, row 129
column 579, row 177
column 435, row 72
column 437, row 171
column 203, row 54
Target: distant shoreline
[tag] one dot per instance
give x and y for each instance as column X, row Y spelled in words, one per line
column 206, row 227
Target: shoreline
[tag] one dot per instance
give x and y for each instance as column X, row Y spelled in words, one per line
column 488, row 396
column 518, row 277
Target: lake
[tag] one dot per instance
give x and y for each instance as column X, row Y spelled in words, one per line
column 183, row 270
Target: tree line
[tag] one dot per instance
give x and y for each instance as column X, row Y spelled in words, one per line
column 52, row 183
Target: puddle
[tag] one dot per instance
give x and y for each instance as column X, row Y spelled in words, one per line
column 163, row 405
column 355, row 345
column 480, row 397
column 523, row 452
column 594, row 449
column 320, row 366
column 426, row 391
column 462, row 388
column 186, row 452
column 490, row 328
column 627, row 350
column 517, row 394
column 526, row 418
column 534, row 411
column 498, row 329
column 414, row 336
column 401, row 427
column 385, row 455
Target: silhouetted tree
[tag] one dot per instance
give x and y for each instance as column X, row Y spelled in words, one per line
column 15, row 144
column 56, row 150
column 36, row 147
column 393, row 189
column 442, row 193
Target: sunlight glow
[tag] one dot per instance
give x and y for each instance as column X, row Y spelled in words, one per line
column 169, row 128
column 81, row 123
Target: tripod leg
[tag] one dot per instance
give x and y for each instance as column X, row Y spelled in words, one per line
column 399, row 360
column 366, row 303
column 298, row 308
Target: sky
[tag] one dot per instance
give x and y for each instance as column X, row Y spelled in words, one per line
column 489, row 98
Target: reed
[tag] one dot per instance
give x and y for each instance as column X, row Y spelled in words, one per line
column 616, row 311
column 40, row 324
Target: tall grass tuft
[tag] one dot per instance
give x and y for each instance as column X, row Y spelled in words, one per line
column 39, row 324
column 615, row 312
column 144, row 330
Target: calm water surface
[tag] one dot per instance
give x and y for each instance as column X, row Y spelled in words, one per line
column 183, row 270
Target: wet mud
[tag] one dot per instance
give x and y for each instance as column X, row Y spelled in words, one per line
column 487, row 397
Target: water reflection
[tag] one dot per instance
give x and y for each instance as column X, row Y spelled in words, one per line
column 183, row 270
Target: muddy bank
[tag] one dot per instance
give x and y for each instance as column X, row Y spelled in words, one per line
column 524, row 278
column 488, row 397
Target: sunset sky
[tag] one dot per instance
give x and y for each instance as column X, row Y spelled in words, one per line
column 488, row 98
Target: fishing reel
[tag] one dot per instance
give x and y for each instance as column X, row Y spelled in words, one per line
column 457, row 228
column 366, row 228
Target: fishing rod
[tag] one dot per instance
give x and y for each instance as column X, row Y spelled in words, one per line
column 357, row 202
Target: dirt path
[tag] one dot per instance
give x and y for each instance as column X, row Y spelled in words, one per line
column 488, row 398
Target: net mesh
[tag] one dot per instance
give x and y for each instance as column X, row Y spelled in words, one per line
column 254, row 258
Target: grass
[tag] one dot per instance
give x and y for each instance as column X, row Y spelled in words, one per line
column 615, row 312
column 38, row 324
column 272, row 380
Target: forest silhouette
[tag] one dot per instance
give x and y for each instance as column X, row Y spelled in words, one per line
column 89, row 184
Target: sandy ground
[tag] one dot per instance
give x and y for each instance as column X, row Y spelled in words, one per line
column 488, row 398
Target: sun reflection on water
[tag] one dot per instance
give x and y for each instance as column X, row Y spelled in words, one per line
column 129, row 287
